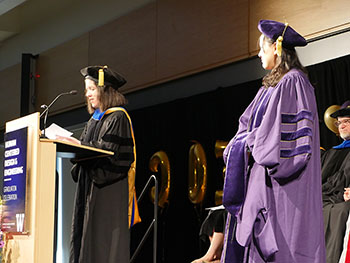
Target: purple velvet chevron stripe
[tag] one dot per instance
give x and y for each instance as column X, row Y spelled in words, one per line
column 233, row 193
column 290, row 136
column 293, row 152
column 252, row 117
column 234, row 185
column 260, row 113
column 294, row 118
column 260, row 109
column 232, row 252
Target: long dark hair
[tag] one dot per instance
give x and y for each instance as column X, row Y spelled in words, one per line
column 288, row 60
column 108, row 97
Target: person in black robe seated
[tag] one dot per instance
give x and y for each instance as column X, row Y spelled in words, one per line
column 100, row 225
column 336, row 179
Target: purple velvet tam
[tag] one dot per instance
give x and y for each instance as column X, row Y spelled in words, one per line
column 274, row 29
column 344, row 110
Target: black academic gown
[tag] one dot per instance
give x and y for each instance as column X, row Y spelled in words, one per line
column 100, row 231
column 335, row 177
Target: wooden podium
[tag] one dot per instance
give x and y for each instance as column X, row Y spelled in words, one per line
column 35, row 243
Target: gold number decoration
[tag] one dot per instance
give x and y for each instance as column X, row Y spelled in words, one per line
column 159, row 162
column 197, row 173
column 219, row 151
column 328, row 120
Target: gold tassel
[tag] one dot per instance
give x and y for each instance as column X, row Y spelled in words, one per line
column 279, row 46
column 101, row 77
column 279, row 42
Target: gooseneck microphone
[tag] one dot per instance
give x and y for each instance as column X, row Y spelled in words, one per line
column 46, row 108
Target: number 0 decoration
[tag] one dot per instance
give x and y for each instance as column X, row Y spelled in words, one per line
column 328, row 120
column 159, row 162
column 197, row 173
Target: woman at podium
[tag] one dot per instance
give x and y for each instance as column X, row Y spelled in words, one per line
column 100, row 227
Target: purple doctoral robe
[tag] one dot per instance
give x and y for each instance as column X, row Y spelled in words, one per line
column 273, row 177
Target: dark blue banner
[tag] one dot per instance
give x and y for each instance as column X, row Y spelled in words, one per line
column 15, row 178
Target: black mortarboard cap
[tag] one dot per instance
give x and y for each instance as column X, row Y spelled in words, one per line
column 111, row 78
column 344, row 110
column 274, row 29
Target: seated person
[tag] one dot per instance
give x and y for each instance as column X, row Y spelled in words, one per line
column 336, row 179
column 213, row 227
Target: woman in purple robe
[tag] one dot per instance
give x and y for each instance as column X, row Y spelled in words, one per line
column 272, row 186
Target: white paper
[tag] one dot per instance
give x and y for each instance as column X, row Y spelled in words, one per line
column 54, row 130
column 215, row 207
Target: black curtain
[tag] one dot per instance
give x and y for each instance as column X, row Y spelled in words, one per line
column 331, row 80
column 171, row 127
column 206, row 118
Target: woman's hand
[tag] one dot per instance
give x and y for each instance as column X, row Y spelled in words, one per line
column 68, row 139
column 346, row 194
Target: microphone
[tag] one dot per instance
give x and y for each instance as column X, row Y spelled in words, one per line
column 72, row 92
column 46, row 111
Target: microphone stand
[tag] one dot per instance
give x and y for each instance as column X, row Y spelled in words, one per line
column 46, row 111
column 45, row 117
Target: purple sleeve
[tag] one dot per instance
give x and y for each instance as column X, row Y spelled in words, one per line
column 282, row 143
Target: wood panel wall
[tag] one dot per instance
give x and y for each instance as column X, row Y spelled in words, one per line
column 311, row 18
column 59, row 70
column 10, row 83
column 197, row 35
column 168, row 39
column 128, row 45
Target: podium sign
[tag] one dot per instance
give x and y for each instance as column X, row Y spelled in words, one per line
column 14, row 181
column 30, row 176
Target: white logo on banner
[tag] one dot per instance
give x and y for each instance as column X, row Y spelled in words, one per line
column 20, row 221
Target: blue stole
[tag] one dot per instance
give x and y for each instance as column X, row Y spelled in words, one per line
column 344, row 144
column 98, row 114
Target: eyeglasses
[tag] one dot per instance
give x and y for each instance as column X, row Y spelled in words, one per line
column 338, row 123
